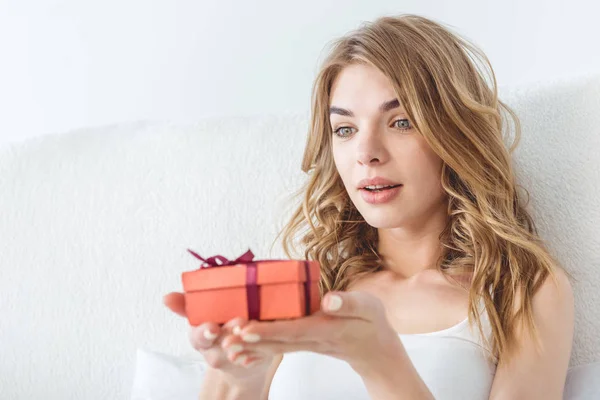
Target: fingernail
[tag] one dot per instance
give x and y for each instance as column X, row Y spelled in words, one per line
column 209, row 335
column 334, row 303
column 235, row 348
column 241, row 359
column 251, row 337
column 236, row 330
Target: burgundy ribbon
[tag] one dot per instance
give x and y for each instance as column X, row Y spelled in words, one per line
column 252, row 290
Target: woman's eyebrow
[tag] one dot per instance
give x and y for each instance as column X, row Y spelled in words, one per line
column 385, row 107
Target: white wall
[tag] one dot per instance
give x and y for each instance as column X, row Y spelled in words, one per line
column 72, row 63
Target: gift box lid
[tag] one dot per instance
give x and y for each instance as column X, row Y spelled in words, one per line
column 267, row 272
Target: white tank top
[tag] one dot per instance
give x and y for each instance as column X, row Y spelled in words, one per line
column 452, row 363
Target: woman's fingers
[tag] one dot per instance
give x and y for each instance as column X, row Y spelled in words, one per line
column 204, row 336
column 231, row 329
column 211, row 334
column 237, row 350
column 175, row 301
column 207, row 338
column 229, row 338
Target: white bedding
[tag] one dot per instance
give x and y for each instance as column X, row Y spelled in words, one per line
column 161, row 376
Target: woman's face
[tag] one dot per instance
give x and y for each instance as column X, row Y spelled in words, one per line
column 375, row 142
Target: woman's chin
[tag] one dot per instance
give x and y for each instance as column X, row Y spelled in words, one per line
column 382, row 220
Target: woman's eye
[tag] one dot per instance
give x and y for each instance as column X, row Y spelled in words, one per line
column 337, row 131
column 404, row 126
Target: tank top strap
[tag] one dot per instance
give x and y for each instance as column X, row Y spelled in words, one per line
column 470, row 332
column 473, row 329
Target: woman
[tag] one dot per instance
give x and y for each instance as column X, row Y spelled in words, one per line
column 439, row 284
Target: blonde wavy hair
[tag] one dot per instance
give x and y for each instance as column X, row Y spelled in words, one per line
column 489, row 233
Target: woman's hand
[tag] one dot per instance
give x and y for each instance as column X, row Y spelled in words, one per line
column 243, row 368
column 351, row 326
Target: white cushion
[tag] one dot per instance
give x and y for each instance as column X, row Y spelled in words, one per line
column 583, row 382
column 160, row 376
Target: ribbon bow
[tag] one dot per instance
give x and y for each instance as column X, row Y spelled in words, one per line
column 247, row 257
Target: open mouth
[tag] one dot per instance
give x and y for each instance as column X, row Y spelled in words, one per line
column 381, row 189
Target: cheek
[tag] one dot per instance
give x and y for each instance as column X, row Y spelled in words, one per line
column 431, row 188
column 343, row 167
column 425, row 175
column 424, row 165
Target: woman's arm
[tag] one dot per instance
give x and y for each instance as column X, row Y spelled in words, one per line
column 542, row 376
column 216, row 387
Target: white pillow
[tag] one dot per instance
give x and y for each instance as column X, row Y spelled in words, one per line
column 166, row 377
column 161, row 376
column 583, row 382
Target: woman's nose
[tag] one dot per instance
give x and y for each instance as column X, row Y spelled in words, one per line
column 370, row 149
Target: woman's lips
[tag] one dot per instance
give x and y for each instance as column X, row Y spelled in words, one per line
column 383, row 196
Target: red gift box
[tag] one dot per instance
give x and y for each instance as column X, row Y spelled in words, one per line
column 263, row 290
